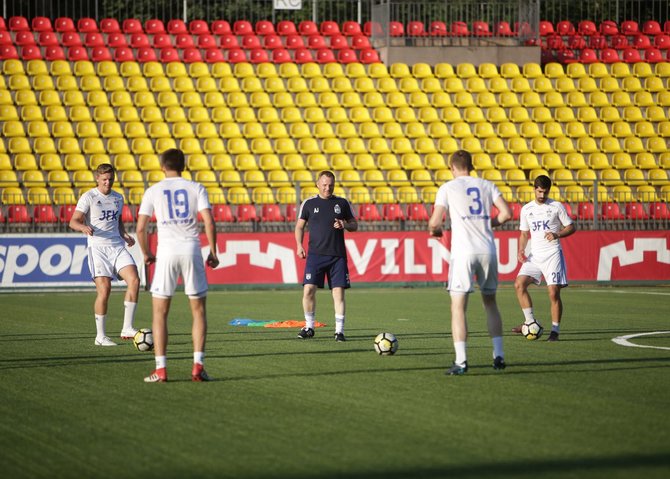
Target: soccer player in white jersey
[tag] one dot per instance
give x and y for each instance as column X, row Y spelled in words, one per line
column 543, row 221
column 468, row 201
column 98, row 215
column 176, row 203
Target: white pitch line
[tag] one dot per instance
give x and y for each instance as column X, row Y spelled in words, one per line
column 623, row 340
column 624, row 292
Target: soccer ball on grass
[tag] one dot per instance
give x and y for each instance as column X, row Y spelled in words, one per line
column 143, row 340
column 532, row 331
column 386, row 344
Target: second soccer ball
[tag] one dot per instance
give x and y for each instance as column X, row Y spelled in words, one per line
column 386, row 344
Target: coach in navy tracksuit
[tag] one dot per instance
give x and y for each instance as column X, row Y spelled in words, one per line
column 328, row 216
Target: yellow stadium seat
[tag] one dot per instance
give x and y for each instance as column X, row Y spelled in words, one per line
column 658, row 176
column 164, row 144
column 494, row 145
column 364, row 162
column 317, row 162
column 598, row 129
column 575, row 161
column 383, row 195
column 517, row 145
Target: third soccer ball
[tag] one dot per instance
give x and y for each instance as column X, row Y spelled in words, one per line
column 144, row 340
column 532, row 331
column 386, row 344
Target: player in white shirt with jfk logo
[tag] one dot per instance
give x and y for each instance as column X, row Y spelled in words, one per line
column 544, row 222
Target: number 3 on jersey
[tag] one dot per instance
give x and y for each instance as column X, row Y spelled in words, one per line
column 477, row 207
column 177, row 203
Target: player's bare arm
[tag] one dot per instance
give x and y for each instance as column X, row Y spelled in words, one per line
column 210, row 232
column 504, row 212
column 143, row 240
column 78, row 223
column 523, row 242
column 350, row 225
column 436, row 221
column 299, row 236
column 565, row 231
column 130, row 241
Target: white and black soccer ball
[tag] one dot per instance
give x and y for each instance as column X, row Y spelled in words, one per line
column 144, row 340
column 386, row 344
column 532, row 331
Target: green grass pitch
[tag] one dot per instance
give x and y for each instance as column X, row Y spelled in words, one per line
column 280, row 407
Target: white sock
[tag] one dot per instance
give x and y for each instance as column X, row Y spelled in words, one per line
column 199, row 357
column 100, row 320
column 161, row 362
column 309, row 320
column 461, row 357
column 528, row 314
column 339, row 324
column 129, row 315
column 497, row 347
column 555, row 327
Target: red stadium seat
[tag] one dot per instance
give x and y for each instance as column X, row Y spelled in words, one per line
column 619, row 42
column 631, row 55
column 417, row 212
column 360, row 42
column 45, row 39
column 368, row 212
column 176, row 27
column 251, row 41
column 481, row 29
column 609, row 55
column 325, row 55
column 597, row 42
column 351, row 28
column 154, row 26
column 555, row 42
column 168, row 55
column 101, row 54
column 294, row 42
column 338, row 42
column 568, row 210
column 666, row 27
column 610, row 211
column 65, row 213
column 94, row 39
column 54, row 53
column 291, row 213
column 145, row 55
column 128, row 217
column 132, row 25
column 302, row 55
column 369, row 56
column 116, row 40
column 214, row 55
column 347, row 56
column 44, row 214
column 636, row 211
column 516, row 210
column 265, row 27
column 575, row 42
column 459, row 29
column 221, row 27
column 372, row 28
column 416, row 29
column 191, row 55
column 184, row 40
column 662, row 41
column 565, row 28
column 651, row 27
column 281, row 55
column 503, row 29
column 588, row 55
column 630, row 28
column 64, row 24
column 272, row 41
column 236, row 55
column 609, row 28
column 439, row 29
column 110, row 25
column 396, row 29
column 31, row 52
column 139, row 40
column 286, row 27
column 24, row 38
column 41, row 24
column 8, row 52
column 258, row 55
column 3, row 26
column 393, row 212
column 246, row 213
column 18, row 214
column 70, row 39
column 243, row 27
column 76, row 54
column 315, row 42
column 162, row 40
column 329, row 28
column 198, row 27
column 207, row 40
column 641, row 42
column 659, row 211
column 308, row 27
column 587, row 28
column 19, row 24
column 271, row 214
column 546, row 28
column 229, row 41
column 653, row 55
column 585, row 211
column 123, row 54
column 222, row 214
column 87, row 25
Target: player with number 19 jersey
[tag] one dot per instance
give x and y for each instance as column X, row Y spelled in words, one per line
column 468, row 201
column 176, row 202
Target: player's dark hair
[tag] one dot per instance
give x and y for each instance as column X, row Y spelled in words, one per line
column 104, row 168
column 542, row 181
column 462, row 160
column 173, row 160
column 327, row 173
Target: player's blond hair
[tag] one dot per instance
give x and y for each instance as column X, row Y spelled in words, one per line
column 104, row 168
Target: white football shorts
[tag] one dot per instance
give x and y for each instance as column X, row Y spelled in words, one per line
column 108, row 260
column 465, row 269
column 553, row 269
column 169, row 268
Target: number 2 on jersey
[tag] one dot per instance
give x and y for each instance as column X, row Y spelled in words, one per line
column 177, row 203
column 477, row 207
